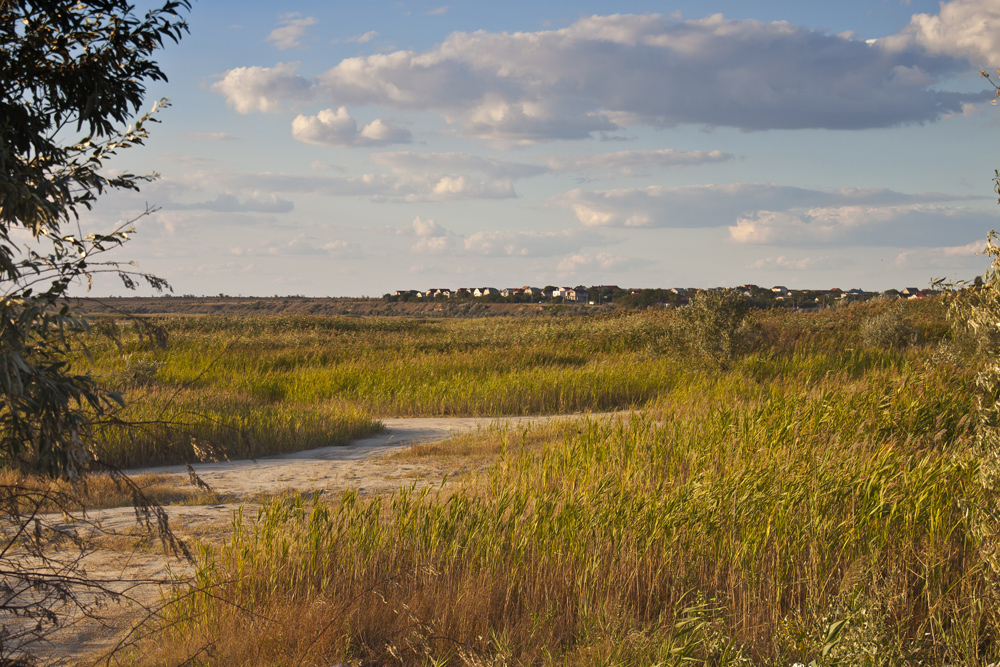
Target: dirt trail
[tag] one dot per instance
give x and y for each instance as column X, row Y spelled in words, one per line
column 360, row 464
column 327, row 468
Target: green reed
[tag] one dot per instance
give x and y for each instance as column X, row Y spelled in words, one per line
column 811, row 503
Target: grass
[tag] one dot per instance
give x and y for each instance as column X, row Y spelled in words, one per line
column 246, row 387
column 813, row 502
column 101, row 491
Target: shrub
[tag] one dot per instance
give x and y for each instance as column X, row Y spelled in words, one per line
column 718, row 327
column 887, row 329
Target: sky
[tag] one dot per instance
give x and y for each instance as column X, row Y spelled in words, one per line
column 353, row 149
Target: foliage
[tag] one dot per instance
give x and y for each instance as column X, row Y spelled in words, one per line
column 887, row 329
column 68, row 68
column 777, row 513
column 718, row 327
column 72, row 75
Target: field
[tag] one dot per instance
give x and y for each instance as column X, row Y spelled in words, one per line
column 812, row 494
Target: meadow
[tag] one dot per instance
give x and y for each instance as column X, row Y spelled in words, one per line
column 812, row 498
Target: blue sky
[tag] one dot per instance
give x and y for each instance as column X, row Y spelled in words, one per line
column 343, row 149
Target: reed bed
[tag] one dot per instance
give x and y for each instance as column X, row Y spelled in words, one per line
column 811, row 504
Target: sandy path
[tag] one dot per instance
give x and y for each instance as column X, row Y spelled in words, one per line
column 360, row 464
column 337, row 467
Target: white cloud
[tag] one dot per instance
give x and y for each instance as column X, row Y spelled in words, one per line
column 909, row 225
column 264, row 89
column 428, row 228
column 435, row 245
column 362, row 39
column 432, row 238
column 965, row 28
column 439, row 176
column 439, row 11
column 291, row 31
column 719, row 205
column 628, row 163
column 605, row 71
column 337, row 128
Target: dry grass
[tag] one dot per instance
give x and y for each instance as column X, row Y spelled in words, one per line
column 102, row 491
column 811, row 503
column 737, row 527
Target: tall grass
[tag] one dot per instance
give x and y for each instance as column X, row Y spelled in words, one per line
column 812, row 503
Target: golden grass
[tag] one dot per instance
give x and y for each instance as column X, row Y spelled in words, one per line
column 740, row 519
column 812, row 502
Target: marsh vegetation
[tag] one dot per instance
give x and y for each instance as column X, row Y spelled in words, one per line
column 811, row 498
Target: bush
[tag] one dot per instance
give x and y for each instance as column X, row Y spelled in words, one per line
column 718, row 327
column 887, row 330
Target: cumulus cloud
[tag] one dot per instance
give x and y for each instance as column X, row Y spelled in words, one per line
column 337, row 128
column 628, row 163
column 432, row 238
column 264, row 89
column 965, row 28
column 718, row 205
column 605, row 72
column 910, row 225
column 229, row 203
column 442, row 176
column 289, row 34
column 435, row 245
column 428, row 228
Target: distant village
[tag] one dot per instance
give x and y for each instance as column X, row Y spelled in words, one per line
column 778, row 295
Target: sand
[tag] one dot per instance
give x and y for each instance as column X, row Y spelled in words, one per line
column 360, row 465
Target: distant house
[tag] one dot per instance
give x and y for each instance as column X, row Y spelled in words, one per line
column 437, row 292
column 511, row 291
column 909, row 292
column 485, row 291
column 576, row 295
column 780, row 289
column 533, row 291
column 463, row 291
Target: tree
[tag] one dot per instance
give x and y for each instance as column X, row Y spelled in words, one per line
column 74, row 75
